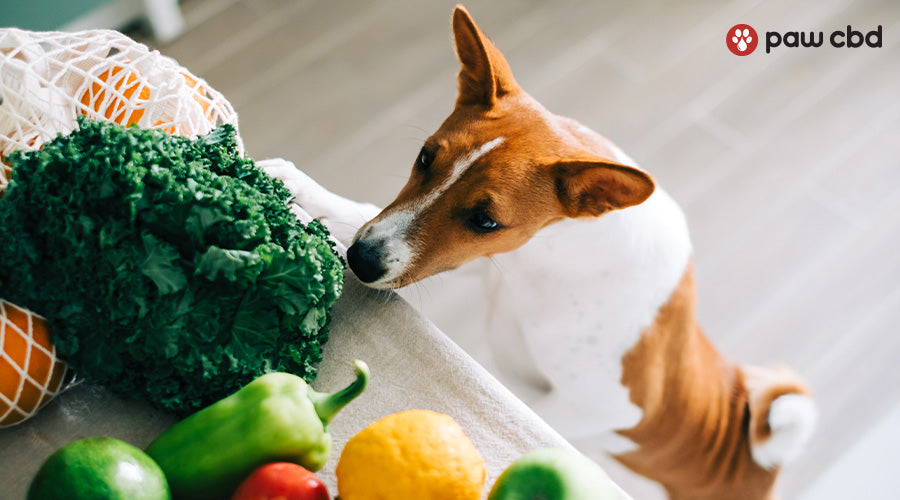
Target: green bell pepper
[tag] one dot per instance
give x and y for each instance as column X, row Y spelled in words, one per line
column 276, row 417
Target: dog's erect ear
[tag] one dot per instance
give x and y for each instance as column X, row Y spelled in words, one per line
column 485, row 75
column 592, row 188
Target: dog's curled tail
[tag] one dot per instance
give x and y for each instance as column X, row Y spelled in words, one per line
column 782, row 414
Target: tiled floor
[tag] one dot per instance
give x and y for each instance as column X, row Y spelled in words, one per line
column 787, row 164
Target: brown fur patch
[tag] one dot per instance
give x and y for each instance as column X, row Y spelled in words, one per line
column 693, row 437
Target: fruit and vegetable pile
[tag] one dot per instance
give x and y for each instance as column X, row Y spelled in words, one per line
column 267, row 440
column 160, row 263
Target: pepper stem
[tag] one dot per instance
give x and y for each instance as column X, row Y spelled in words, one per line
column 327, row 405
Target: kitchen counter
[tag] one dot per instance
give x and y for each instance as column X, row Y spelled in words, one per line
column 413, row 365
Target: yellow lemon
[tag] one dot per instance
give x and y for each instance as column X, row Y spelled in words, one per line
column 415, row 454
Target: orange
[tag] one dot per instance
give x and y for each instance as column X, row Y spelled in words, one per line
column 30, row 373
column 113, row 95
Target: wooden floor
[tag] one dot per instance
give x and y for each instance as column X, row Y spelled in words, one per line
column 787, row 164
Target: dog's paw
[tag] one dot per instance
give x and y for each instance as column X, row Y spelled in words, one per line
column 304, row 217
column 341, row 216
column 303, row 188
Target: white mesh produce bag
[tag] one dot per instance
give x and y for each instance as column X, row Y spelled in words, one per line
column 47, row 79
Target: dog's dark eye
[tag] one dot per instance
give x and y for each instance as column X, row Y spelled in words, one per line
column 480, row 222
column 425, row 159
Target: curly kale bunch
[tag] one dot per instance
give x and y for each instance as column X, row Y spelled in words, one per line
column 169, row 269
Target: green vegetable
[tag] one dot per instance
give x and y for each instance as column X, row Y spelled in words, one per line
column 277, row 417
column 169, row 269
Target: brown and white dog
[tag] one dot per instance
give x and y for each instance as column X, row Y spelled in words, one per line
column 596, row 303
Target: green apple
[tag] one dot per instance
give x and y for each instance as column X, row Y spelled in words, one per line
column 553, row 474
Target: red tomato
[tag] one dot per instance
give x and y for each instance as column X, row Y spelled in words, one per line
column 281, row 481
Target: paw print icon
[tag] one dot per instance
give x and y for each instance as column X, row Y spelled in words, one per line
column 741, row 39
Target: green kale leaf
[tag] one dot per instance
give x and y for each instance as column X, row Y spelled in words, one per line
column 170, row 269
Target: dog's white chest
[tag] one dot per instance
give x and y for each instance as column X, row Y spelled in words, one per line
column 571, row 302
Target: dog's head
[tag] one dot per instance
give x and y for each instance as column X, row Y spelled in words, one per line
column 499, row 168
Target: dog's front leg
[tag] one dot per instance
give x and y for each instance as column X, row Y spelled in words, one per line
column 341, row 216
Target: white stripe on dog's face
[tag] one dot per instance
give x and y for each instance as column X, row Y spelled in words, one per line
column 459, row 168
column 391, row 232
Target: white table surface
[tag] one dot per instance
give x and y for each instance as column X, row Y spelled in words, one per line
column 413, row 365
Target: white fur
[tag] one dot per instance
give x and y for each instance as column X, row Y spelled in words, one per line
column 573, row 300
column 341, row 216
column 792, row 418
column 459, row 168
column 621, row 156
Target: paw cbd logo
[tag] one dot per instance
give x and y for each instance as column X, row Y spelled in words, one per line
column 741, row 39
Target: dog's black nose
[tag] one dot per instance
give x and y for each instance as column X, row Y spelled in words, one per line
column 364, row 259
